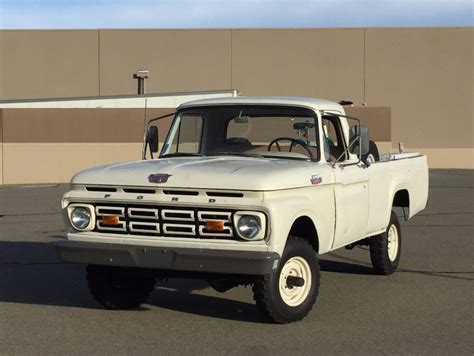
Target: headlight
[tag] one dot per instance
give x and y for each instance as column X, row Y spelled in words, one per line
column 250, row 225
column 81, row 217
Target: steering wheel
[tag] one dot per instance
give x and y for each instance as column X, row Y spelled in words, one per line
column 294, row 142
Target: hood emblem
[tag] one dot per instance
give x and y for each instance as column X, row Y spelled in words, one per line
column 316, row 179
column 158, row 178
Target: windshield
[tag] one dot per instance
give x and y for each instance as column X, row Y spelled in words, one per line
column 277, row 132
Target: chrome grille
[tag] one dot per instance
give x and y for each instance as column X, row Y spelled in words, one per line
column 156, row 221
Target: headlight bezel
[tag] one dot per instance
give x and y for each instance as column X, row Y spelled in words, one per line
column 260, row 217
column 88, row 207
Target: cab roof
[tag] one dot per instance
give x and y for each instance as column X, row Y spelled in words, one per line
column 316, row 104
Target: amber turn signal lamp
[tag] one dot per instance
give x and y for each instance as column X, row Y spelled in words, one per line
column 110, row 220
column 215, row 225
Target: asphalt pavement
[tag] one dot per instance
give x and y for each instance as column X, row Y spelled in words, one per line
column 426, row 307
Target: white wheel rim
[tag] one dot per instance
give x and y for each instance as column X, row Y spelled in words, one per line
column 392, row 242
column 297, row 267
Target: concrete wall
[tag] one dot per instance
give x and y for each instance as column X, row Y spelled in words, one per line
column 424, row 74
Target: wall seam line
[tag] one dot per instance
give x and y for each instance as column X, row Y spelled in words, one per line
column 231, row 64
column 364, row 67
column 98, row 59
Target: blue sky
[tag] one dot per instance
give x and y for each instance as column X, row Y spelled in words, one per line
column 73, row 14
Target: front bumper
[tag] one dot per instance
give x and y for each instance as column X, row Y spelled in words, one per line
column 179, row 259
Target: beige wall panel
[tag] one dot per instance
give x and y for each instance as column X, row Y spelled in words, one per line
column 377, row 119
column 315, row 63
column 39, row 64
column 384, row 147
column 1, row 163
column 1, row 146
column 178, row 60
column 1, row 125
column 79, row 125
column 2, row 80
column 26, row 163
column 426, row 76
column 448, row 158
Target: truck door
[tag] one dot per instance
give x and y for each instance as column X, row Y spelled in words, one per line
column 351, row 192
column 351, row 188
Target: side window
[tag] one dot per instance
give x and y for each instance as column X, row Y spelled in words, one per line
column 333, row 137
column 330, row 133
column 187, row 139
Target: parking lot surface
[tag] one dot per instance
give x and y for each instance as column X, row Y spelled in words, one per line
column 426, row 307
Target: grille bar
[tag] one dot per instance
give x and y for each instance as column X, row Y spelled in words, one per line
column 143, row 213
column 204, row 216
column 179, row 229
column 227, row 232
column 177, row 215
column 144, row 227
column 120, row 227
column 110, row 210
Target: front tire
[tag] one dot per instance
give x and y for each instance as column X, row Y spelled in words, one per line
column 385, row 248
column 284, row 302
column 119, row 287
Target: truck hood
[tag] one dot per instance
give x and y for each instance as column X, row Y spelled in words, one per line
column 223, row 172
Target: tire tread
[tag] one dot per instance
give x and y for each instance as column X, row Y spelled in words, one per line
column 262, row 292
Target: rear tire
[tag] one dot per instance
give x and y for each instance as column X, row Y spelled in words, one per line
column 276, row 298
column 373, row 153
column 385, row 248
column 119, row 287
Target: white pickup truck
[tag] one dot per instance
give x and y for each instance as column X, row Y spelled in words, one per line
column 246, row 190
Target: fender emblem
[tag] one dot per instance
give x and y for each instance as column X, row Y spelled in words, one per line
column 158, row 178
column 316, row 179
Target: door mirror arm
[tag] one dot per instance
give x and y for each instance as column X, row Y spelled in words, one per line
column 150, row 137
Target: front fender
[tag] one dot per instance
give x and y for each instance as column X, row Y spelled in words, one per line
column 286, row 206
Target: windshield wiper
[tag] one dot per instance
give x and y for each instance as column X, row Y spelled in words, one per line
column 181, row 154
column 240, row 154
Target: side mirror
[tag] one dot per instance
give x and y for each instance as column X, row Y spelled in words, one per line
column 152, row 138
column 361, row 138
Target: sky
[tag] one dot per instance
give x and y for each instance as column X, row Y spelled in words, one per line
column 77, row 14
